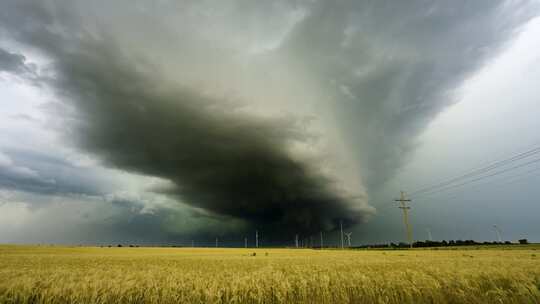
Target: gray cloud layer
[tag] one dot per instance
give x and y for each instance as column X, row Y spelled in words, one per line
column 48, row 174
column 391, row 67
column 140, row 79
column 10, row 62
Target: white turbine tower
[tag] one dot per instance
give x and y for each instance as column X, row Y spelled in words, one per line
column 498, row 231
column 256, row 238
column 348, row 235
column 430, row 238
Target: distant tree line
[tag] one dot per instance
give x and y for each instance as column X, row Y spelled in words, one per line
column 417, row 244
column 443, row 243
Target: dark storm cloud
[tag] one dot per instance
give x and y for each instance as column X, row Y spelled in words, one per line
column 384, row 70
column 219, row 159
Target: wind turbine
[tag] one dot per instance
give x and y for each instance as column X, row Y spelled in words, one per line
column 256, row 238
column 348, row 235
column 498, row 231
column 430, row 238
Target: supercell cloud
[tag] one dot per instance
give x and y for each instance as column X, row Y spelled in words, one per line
column 282, row 115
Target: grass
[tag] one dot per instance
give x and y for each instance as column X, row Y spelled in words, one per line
column 40, row 274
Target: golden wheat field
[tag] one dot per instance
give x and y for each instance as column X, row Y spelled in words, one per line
column 42, row 274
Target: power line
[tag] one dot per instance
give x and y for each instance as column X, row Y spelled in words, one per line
column 491, row 166
column 480, row 178
column 506, row 181
column 510, row 180
column 481, row 170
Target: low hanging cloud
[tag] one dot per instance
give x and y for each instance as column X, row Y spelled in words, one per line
column 145, row 88
column 224, row 162
column 221, row 160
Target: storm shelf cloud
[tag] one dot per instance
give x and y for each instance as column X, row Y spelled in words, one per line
column 284, row 125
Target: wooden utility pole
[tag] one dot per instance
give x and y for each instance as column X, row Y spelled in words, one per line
column 245, row 242
column 216, row 242
column 322, row 244
column 403, row 206
column 296, row 241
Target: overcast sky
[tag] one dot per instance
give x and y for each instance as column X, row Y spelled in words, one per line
column 173, row 121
